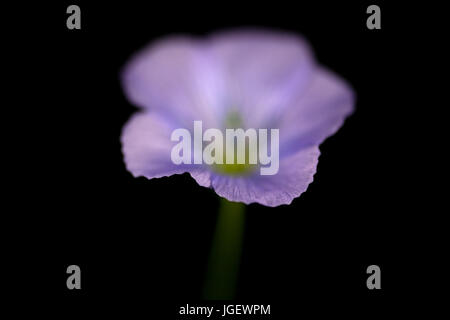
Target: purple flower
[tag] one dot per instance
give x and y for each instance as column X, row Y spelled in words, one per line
column 258, row 79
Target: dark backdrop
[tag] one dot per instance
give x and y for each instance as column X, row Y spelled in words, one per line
column 142, row 245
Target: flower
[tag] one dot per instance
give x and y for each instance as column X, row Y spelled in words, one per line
column 250, row 78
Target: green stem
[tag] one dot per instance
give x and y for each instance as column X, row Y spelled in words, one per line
column 224, row 260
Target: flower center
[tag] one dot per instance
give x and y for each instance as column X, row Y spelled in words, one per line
column 234, row 120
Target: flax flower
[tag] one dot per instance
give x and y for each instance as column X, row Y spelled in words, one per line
column 241, row 78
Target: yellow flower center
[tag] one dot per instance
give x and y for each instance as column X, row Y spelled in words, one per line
column 234, row 121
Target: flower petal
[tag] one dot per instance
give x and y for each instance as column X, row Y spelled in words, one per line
column 202, row 176
column 317, row 113
column 262, row 69
column 146, row 146
column 295, row 174
column 177, row 78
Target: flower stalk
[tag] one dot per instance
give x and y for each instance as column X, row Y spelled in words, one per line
column 224, row 261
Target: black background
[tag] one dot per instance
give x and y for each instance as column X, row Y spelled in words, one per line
column 143, row 245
